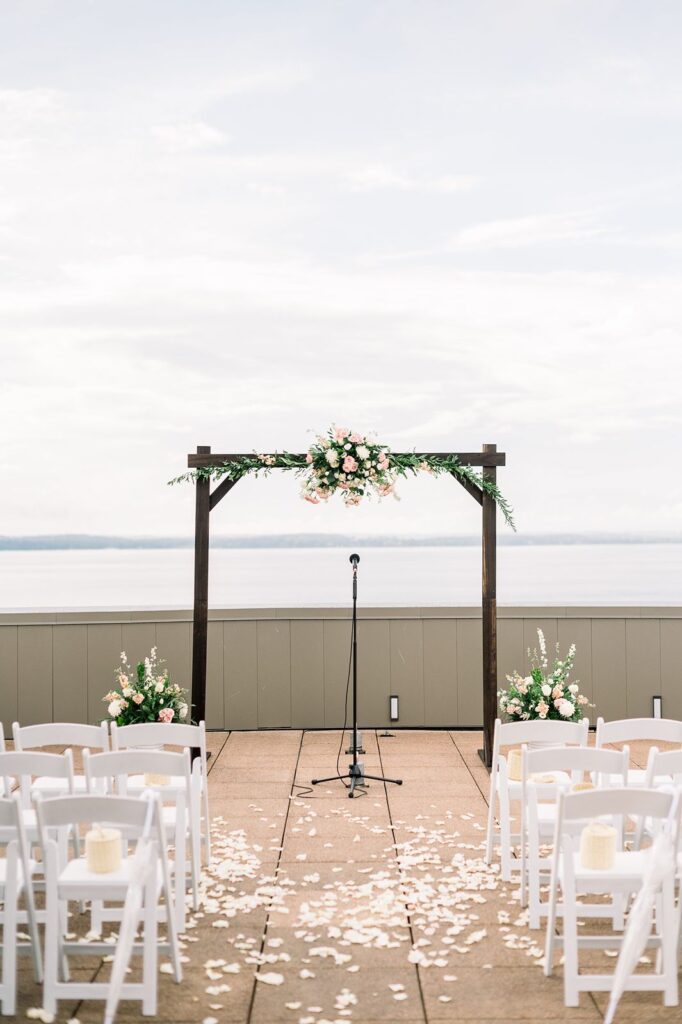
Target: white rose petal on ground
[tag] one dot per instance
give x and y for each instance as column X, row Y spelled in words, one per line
column 271, row 978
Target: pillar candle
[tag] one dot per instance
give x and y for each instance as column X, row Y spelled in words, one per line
column 103, row 849
column 598, row 846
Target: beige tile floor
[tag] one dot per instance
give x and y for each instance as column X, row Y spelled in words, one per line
column 319, row 909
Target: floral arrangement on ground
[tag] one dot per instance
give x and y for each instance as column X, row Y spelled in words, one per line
column 146, row 694
column 546, row 692
column 353, row 464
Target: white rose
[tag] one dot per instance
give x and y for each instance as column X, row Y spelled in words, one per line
column 566, row 708
column 128, row 691
column 362, row 451
column 332, row 458
column 573, row 688
column 528, row 680
column 182, row 711
column 159, row 687
column 546, row 689
column 115, row 708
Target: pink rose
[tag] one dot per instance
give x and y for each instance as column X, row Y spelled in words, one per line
column 349, row 464
column 138, row 697
column 166, row 715
column 558, row 691
column 356, row 438
column 341, row 433
column 311, row 498
column 308, row 458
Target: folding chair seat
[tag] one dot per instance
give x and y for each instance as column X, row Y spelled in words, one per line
column 505, row 791
column 568, row 766
column 622, row 880
column 67, row 734
column 66, row 881
column 16, row 880
column 174, row 734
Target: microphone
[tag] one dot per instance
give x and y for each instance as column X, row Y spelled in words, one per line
column 354, row 559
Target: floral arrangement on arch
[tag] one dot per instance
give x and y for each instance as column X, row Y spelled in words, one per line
column 546, row 692
column 146, row 694
column 344, row 460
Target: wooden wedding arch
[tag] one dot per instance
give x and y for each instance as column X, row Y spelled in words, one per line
column 488, row 459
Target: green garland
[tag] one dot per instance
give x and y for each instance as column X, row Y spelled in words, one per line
column 402, row 464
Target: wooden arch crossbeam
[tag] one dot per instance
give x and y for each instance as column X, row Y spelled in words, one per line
column 488, row 460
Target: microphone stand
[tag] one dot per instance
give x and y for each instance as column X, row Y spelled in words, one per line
column 356, row 769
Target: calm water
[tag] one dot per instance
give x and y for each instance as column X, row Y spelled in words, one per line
column 542, row 574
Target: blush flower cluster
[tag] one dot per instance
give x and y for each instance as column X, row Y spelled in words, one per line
column 351, row 463
column 546, row 692
column 145, row 694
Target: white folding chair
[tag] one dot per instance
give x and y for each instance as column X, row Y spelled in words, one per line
column 633, row 730
column 623, row 879
column 117, row 767
column 504, row 790
column 16, row 875
column 63, row 734
column 72, row 880
column 25, row 767
column 567, row 765
column 174, row 734
column 664, row 768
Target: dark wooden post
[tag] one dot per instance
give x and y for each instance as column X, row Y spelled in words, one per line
column 489, row 612
column 200, row 621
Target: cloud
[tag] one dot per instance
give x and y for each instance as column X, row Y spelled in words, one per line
column 371, row 177
column 24, row 108
column 519, row 232
column 189, row 136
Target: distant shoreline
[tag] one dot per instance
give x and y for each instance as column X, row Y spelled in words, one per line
column 96, row 542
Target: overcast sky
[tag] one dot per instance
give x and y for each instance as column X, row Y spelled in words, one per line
column 230, row 223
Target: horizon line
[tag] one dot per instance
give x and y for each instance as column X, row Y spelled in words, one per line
column 94, row 542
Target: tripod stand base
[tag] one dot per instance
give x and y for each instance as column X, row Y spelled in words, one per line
column 357, row 776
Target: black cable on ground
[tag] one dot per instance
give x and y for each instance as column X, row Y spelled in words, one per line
column 345, row 705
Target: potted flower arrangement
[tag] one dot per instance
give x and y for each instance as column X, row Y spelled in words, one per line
column 546, row 693
column 146, row 694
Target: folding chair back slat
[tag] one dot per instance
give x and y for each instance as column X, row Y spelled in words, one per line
column 667, row 763
column 544, row 730
column 628, row 730
column 88, row 808
column 119, row 764
column 577, row 759
column 67, row 734
column 596, row 803
column 175, row 734
column 26, row 765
